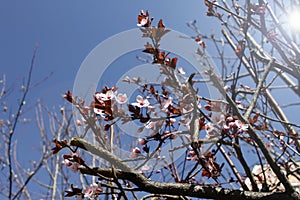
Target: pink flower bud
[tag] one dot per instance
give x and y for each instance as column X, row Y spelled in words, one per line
column 142, row 141
column 136, row 150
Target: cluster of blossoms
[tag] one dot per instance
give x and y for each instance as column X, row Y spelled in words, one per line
column 222, row 124
column 235, row 126
column 144, row 20
column 91, row 192
column 103, row 102
column 73, row 160
column 211, row 168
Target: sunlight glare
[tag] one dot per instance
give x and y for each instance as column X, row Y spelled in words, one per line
column 294, row 20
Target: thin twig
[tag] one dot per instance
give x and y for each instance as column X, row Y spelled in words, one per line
column 12, row 131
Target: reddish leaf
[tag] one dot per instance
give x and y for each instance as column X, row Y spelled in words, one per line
column 255, row 118
column 208, row 108
column 160, row 24
column 106, row 127
column 173, row 63
column 58, row 146
column 174, row 110
column 202, row 123
column 206, row 173
column 279, row 133
column 68, row 96
column 152, row 90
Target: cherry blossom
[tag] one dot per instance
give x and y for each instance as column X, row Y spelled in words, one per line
column 141, row 102
column 142, row 141
column 167, row 103
column 241, row 126
column 143, row 19
column 237, row 125
column 78, row 122
column 110, row 94
column 210, row 130
column 121, row 98
column 227, row 88
column 135, row 152
column 72, row 160
column 145, row 168
column 99, row 112
column 66, row 162
column 181, row 70
column 92, row 191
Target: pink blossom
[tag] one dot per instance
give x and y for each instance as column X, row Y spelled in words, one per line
column 92, row 191
column 145, row 168
column 167, row 103
column 241, row 126
column 78, row 122
column 172, row 121
column 121, row 98
column 99, row 112
column 210, row 130
column 229, row 119
column 100, row 96
column 71, row 160
column 227, row 88
column 237, row 125
column 181, row 71
column 110, row 94
column 141, row 102
column 143, row 19
column 136, row 150
column 142, row 141
column 239, row 104
column 66, row 162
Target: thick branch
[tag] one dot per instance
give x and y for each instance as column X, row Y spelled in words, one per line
column 106, row 155
column 183, row 189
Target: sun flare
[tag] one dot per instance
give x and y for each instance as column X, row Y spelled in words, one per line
column 294, row 20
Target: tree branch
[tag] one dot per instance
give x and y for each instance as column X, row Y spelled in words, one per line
column 184, row 189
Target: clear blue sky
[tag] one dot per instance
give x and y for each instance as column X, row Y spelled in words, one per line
column 67, row 31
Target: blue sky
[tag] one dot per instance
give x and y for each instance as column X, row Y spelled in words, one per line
column 67, row 31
